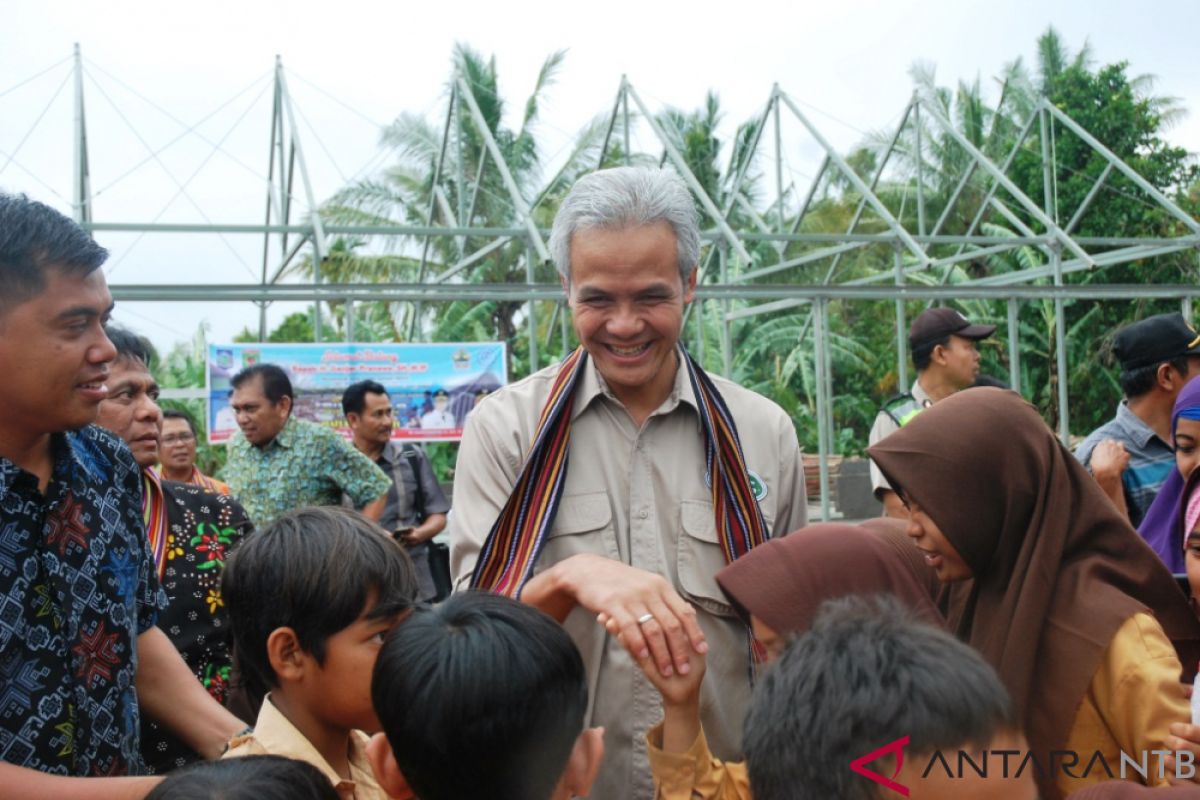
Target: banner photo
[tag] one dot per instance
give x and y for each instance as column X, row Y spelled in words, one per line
column 433, row 387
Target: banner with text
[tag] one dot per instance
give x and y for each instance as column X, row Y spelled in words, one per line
column 433, row 387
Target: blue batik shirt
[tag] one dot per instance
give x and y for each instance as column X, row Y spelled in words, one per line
column 77, row 586
column 1150, row 459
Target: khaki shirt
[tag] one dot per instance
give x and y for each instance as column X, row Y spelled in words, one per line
column 885, row 426
column 273, row 734
column 638, row 496
column 1129, row 706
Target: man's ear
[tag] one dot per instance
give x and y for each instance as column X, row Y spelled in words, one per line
column 285, row 405
column 387, row 771
column 584, row 763
column 1169, row 378
column 938, row 356
column 689, row 286
column 288, row 659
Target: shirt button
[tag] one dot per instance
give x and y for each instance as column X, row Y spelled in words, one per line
column 643, row 513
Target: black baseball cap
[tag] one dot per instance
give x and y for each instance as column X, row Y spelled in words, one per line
column 938, row 323
column 1154, row 340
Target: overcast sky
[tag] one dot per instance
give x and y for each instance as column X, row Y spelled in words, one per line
column 846, row 63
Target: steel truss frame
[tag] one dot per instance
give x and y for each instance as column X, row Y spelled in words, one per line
column 737, row 275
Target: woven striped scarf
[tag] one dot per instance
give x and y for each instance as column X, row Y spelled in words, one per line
column 154, row 514
column 511, row 549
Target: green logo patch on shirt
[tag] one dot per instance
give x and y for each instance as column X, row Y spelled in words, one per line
column 757, row 485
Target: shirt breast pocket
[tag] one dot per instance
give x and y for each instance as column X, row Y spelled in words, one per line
column 698, row 558
column 583, row 524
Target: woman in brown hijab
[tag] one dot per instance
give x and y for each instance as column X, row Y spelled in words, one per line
column 778, row 588
column 1070, row 606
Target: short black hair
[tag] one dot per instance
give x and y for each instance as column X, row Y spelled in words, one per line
column 481, row 696
column 922, row 354
column 275, row 381
column 179, row 413
column 131, row 345
column 355, row 396
column 866, row 674
column 264, row 777
column 1137, row 382
column 313, row 570
column 34, row 238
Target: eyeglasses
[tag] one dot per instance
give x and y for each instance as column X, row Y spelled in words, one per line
column 178, row 438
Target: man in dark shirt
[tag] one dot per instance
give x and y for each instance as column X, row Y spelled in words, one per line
column 80, row 656
column 416, row 506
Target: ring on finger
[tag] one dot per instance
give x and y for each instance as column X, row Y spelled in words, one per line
column 644, row 618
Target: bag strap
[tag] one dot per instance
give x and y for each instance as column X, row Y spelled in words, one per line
column 414, row 462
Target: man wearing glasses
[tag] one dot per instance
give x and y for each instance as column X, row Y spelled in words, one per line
column 178, row 452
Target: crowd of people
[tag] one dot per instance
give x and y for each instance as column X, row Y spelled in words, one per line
column 635, row 604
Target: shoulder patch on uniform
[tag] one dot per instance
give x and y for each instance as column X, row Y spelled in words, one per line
column 757, row 485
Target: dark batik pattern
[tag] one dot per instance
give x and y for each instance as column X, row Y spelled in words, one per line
column 77, row 586
column 203, row 527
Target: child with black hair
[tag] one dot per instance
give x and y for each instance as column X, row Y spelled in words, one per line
column 482, row 696
column 310, row 599
column 246, row 778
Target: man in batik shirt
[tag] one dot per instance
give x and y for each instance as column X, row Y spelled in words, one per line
column 80, row 656
column 190, row 531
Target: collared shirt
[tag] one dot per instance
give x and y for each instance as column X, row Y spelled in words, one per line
column 77, row 587
column 695, row 774
column 1129, row 706
column 400, row 510
column 198, row 478
column 203, row 528
column 305, row 465
column 1150, row 458
column 885, row 425
column 273, row 734
column 638, row 496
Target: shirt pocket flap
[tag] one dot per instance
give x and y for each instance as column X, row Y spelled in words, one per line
column 580, row 513
column 699, row 557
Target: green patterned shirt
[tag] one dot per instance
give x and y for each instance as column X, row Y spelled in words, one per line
column 305, row 465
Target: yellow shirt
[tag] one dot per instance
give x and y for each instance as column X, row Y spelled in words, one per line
column 636, row 495
column 275, row 735
column 1133, row 698
column 694, row 775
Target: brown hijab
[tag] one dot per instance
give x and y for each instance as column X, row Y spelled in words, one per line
column 784, row 581
column 1057, row 569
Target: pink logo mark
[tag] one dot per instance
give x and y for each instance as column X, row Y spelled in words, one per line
column 896, row 747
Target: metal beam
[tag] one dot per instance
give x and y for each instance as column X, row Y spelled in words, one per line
column 1087, row 201
column 987, row 166
column 857, row 182
column 489, row 141
column 1124, row 168
column 81, row 177
column 796, row 293
column 685, row 172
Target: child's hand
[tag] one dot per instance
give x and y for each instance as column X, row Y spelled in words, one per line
column 676, row 689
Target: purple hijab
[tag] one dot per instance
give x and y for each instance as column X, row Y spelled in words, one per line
column 1160, row 526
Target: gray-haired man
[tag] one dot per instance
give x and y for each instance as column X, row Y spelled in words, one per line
column 631, row 532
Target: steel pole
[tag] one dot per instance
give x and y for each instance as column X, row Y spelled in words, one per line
column 819, row 345
column 901, row 326
column 1014, row 345
column 726, row 330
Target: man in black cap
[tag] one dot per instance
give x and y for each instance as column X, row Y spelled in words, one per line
column 942, row 343
column 1131, row 454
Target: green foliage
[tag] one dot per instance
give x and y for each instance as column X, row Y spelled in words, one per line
column 185, row 367
column 774, row 353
